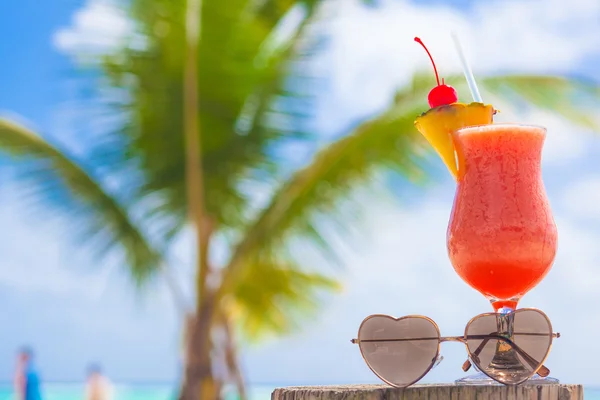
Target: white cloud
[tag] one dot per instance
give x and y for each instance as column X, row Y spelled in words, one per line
column 564, row 141
column 373, row 53
column 582, row 198
column 535, row 35
column 577, row 258
column 543, row 35
column 97, row 28
column 32, row 263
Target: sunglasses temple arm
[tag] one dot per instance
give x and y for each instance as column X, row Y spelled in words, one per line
column 543, row 371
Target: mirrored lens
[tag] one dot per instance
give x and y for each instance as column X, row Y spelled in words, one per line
column 399, row 351
column 481, row 341
column 511, row 361
column 533, row 336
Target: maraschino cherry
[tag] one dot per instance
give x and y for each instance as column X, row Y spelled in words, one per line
column 440, row 95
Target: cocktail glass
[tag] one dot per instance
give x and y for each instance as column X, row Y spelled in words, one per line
column 501, row 236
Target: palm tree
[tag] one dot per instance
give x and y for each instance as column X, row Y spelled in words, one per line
column 165, row 166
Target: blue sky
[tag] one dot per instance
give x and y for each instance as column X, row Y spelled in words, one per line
column 73, row 311
column 32, row 71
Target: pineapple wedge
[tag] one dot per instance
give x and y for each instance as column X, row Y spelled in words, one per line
column 437, row 125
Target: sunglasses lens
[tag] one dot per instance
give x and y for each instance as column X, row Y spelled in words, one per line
column 533, row 334
column 400, row 351
column 531, row 338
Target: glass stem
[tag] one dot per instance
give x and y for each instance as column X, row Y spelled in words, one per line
column 506, row 357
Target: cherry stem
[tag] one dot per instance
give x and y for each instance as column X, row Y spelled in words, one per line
column 431, row 58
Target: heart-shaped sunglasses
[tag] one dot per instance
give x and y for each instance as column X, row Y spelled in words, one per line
column 509, row 348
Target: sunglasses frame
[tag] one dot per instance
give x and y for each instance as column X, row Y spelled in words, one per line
column 543, row 370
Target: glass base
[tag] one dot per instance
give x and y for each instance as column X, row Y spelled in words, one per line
column 482, row 379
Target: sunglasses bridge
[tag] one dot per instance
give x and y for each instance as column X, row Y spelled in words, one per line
column 460, row 339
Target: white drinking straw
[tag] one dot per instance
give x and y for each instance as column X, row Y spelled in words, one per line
column 467, row 70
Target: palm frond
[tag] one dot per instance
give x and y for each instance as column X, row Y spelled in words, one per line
column 274, row 296
column 58, row 181
column 388, row 142
column 567, row 97
column 242, row 84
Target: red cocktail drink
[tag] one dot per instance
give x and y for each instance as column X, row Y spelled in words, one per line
column 501, row 238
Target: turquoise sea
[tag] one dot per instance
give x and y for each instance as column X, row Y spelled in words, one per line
column 73, row 391
column 165, row 392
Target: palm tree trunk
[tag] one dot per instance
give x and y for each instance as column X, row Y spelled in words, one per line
column 233, row 361
column 198, row 382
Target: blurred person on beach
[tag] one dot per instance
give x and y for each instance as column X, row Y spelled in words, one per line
column 27, row 379
column 98, row 386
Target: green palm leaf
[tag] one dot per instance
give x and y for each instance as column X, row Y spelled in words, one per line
column 569, row 98
column 60, row 181
column 274, row 296
column 241, row 90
